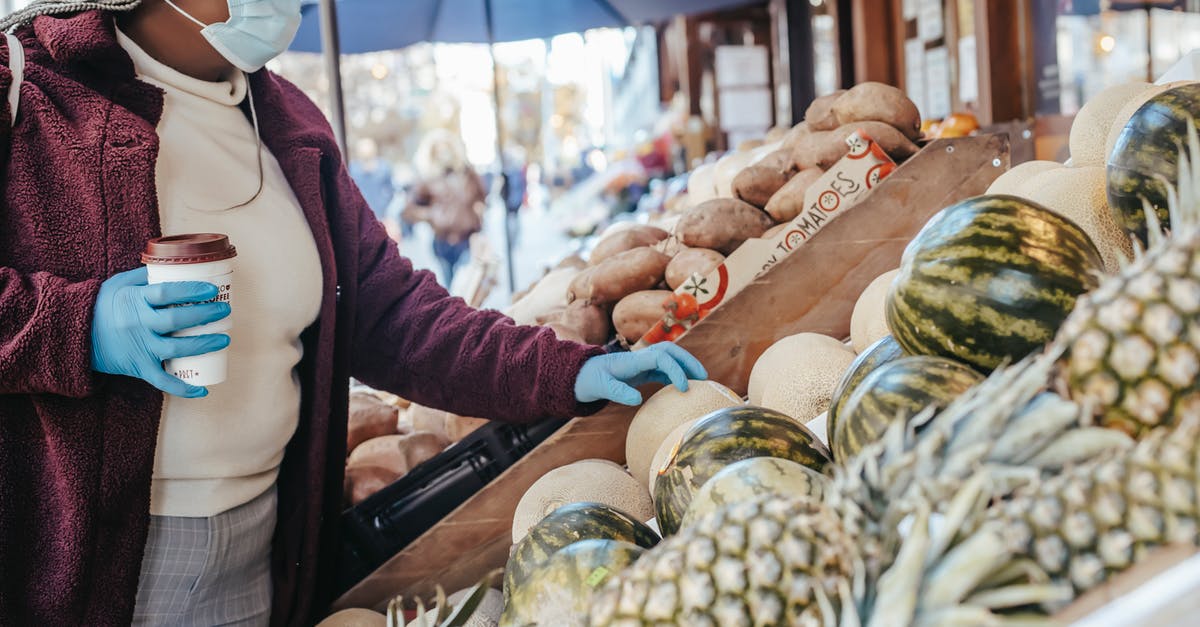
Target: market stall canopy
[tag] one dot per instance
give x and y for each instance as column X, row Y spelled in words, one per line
column 373, row 25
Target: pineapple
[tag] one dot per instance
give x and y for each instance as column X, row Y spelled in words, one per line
column 1134, row 343
column 767, row 561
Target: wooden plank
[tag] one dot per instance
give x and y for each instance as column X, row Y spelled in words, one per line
column 876, row 28
column 813, row 289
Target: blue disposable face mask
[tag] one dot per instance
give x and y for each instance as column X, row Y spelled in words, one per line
column 256, row 31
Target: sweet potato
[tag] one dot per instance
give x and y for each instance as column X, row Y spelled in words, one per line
column 794, row 136
column 820, row 115
column 701, row 183
column 777, row 133
column 823, row 150
column 881, row 103
column 421, row 447
column 788, row 202
column 363, row 481
column 549, row 294
column 757, row 183
column 775, row 230
column 384, row 452
column 573, row 261
column 627, row 239
column 369, row 418
column 638, row 312
column 692, row 261
column 727, row 168
column 619, row 276
column 780, row 159
column 428, row 420
column 590, row 321
column 721, row 225
column 459, row 427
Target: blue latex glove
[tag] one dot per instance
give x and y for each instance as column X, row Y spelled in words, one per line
column 131, row 324
column 613, row 377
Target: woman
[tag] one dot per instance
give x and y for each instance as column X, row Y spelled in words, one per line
column 125, row 494
column 449, row 197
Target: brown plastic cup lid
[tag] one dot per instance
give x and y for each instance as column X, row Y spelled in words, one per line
column 188, row 249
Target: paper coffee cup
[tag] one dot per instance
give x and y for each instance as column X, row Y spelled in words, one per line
column 204, row 257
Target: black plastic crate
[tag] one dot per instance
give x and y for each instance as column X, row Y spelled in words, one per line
column 376, row 529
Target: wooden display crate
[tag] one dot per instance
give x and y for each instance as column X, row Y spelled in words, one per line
column 813, row 289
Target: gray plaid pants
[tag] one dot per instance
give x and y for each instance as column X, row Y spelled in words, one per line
column 202, row 572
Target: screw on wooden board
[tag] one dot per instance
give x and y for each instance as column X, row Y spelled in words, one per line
column 949, row 148
column 996, row 163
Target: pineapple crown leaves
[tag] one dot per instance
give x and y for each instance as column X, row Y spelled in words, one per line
column 445, row 615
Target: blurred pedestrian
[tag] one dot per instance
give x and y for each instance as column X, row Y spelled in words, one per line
column 513, row 185
column 373, row 176
column 449, row 196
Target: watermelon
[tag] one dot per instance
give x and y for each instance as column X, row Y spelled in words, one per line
column 721, row 438
column 885, row 350
column 559, row 592
column 899, row 390
column 567, row 525
column 750, row 478
column 990, row 279
column 1144, row 163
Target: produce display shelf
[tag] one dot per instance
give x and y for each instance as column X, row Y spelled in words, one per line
column 813, row 289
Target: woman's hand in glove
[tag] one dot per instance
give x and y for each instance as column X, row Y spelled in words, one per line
column 613, row 377
column 132, row 323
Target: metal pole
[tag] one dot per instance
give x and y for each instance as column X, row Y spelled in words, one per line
column 332, row 48
column 508, row 246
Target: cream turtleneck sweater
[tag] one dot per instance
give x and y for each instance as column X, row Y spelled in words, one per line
column 221, row 451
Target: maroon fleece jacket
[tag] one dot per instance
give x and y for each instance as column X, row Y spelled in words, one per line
column 77, row 448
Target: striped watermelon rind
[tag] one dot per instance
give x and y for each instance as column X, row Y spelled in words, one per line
column 883, row 351
column 749, row 479
column 567, row 525
column 899, row 390
column 990, row 279
column 560, row 591
column 1144, row 162
column 721, row 438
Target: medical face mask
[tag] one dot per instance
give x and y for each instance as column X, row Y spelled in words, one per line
column 256, row 31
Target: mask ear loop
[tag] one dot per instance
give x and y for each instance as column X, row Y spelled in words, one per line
column 259, row 148
column 253, row 117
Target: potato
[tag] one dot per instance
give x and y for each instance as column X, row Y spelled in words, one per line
column 627, row 239
column 775, row 230
column 692, row 261
column 384, row 452
column 547, row 295
column 823, row 150
column 429, row 420
column 788, row 202
column 777, row 133
column 881, row 103
column 574, row 262
column 369, row 418
column 421, row 447
column 639, row 312
column 727, row 168
column 362, row 482
column 721, row 224
column 757, row 183
column 589, row 321
column 459, row 427
column 780, row 159
column 798, row 132
column 619, row 276
column 820, row 115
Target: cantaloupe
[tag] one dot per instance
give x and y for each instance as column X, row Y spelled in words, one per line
column 1089, row 130
column 598, row 481
column 797, row 375
column 665, row 449
column 1081, row 195
column 354, row 617
column 868, row 323
column 1010, row 182
column 664, row 411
